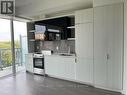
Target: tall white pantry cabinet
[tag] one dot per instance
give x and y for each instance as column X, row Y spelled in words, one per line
column 99, row 46
column 84, row 45
column 108, row 46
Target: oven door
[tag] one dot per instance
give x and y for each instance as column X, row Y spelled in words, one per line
column 38, row 63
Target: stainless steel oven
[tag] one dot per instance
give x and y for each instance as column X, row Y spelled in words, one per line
column 38, row 63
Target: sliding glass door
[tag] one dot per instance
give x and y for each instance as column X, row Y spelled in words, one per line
column 5, row 48
column 20, row 38
column 20, row 44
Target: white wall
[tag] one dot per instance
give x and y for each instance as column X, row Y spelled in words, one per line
column 125, row 48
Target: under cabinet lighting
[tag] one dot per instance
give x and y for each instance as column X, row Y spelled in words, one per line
column 39, row 36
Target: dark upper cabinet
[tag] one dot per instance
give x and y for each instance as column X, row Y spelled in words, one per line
column 57, row 28
column 60, row 22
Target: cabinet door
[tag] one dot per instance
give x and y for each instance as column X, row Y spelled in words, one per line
column 29, row 63
column 84, row 40
column 115, row 46
column 66, row 67
column 100, row 47
column 84, row 16
column 84, row 51
column 108, row 46
column 51, row 66
column 61, row 67
column 84, row 70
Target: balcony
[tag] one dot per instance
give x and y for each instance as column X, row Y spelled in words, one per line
column 6, row 61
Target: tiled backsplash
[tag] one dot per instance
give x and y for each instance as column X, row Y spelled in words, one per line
column 61, row 46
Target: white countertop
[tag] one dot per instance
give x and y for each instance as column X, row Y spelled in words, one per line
column 59, row 55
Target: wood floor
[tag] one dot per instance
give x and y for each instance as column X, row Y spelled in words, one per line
column 28, row 84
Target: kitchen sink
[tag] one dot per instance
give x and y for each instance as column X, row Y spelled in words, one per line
column 65, row 54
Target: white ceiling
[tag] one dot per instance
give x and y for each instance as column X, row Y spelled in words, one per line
column 32, row 8
column 23, row 2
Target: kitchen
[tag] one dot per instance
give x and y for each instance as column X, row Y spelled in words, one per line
column 53, row 37
column 75, row 46
column 71, row 47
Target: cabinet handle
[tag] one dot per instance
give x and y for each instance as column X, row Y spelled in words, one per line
column 75, row 60
column 107, row 56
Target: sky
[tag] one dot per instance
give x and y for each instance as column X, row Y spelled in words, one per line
column 19, row 29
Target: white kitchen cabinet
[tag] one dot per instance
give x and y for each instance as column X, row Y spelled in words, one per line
column 60, row 66
column 84, row 52
column 84, row 70
column 84, row 40
column 84, row 45
column 29, row 62
column 84, row 16
column 51, row 65
column 108, row 47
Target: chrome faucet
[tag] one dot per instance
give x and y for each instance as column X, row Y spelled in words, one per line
column 69, row 50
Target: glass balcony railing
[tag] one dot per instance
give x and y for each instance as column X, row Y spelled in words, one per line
column 6, row 58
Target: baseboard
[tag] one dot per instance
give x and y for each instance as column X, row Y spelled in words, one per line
column 124, row 92
column 109, row 89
